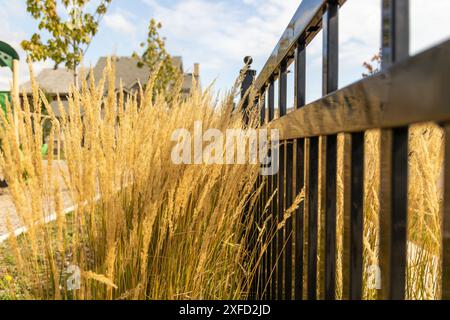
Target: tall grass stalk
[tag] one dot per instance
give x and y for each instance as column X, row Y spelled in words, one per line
column 425, row 196
column 143, row 228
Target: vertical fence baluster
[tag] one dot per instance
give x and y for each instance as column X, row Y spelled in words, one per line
column 271, row 212
column 267, row 232
column 300, row 92
column 385, row 212
column 265, row 242
column 394, row 162
column 253, row 245
column 321, row 252
column 262, row 267
column 247, row 82
column 264, row 238
column 445, row 246
column 282, row 89
column 268, row 239
column 271, row 100
column 256, row 224
column 330, row 77
column 307, row 165
column 346, row 181
column 399, row 209
column 395, row 32
column 353, row 180
column 253, row 220
column 282, row 98
column 330, row 218
column 262, row 112
column 300, row 74
column 288, row 228
column 275, row 232
column 312, row 216
column 299, row 219
column 330, row 31
column 258, row 251
column 356, row 215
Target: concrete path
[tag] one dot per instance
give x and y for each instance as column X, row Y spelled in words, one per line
column 7, row 206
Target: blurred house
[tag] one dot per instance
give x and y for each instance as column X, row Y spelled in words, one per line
column 132, row 76
column 56, row 82
column 52, row 82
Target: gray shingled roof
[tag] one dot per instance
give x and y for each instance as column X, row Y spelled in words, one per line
column 128, row 71
column 54, row 81
column 58, row 81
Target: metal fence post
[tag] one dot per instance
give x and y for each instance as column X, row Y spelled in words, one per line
column 394, row 162
column 247, row 82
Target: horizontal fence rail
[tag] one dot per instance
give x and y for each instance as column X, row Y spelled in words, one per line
column 415, row 90
column 408, row 90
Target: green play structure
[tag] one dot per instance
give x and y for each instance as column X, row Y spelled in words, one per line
column 4, row 95
column 8, row 58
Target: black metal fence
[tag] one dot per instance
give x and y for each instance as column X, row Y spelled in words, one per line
column 408, row 90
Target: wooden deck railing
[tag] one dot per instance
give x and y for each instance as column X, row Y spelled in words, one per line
column 408, row 90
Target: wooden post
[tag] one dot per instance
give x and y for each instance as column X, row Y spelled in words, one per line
column 15, row 95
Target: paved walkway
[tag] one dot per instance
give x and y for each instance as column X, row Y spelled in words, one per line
column 7, row 206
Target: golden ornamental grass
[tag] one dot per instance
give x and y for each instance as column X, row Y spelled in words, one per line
column 142, row 227
column 425, row 196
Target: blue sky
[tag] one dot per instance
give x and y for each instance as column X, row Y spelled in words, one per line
column 219, row 33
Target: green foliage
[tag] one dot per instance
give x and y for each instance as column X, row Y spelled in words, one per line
column 11, row 287
column 47, row 125
column 68, row 39
column 3, row 97
column 157, row 59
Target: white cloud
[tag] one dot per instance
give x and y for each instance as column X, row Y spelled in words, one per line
column 360, row 31
column 120, row 22
column 17, row 8
column 359, row 37
column 14, row 36
column 219, row 34
column 429, row 23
